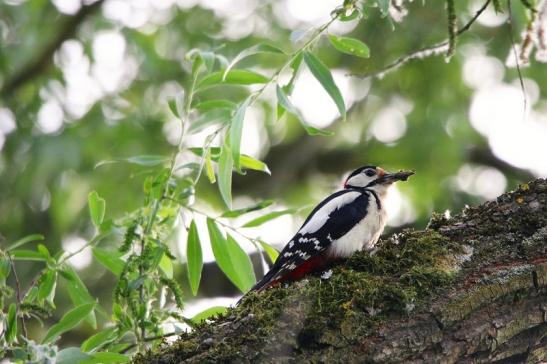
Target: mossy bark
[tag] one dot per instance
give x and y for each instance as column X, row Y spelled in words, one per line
column 472, row 288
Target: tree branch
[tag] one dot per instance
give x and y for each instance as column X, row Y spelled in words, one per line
column 433, row 50
column 467, row 289
column 41, row 61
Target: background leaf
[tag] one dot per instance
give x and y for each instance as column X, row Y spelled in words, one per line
column 97, row 206
column 25, row 240
column 256, row 49
column 68, row 321
column 46, row 285
column 141, row 160
column 78, row 292
column 234, row 77
column 209, row 170
column 231, row 259
column 166, row 266
column 350, row 46
column 71, row 355
column 111, row 260
column 194, row 257
column 11, row 323
column 242, row 264
column 225, row 166
column 99, row 339
column 270, row 250
column 27, row 255
column 323, row 75
column 284, row 101
column 236, row 130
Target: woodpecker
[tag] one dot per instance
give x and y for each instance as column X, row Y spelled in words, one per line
column 347, row 221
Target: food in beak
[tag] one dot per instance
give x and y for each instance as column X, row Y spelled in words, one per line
column 398, row 176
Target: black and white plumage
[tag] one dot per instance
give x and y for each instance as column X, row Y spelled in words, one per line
column 345, row 222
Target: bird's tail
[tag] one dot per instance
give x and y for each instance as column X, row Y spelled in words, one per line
column 265, row 282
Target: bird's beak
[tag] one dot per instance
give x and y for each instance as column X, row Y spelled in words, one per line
column 397, row 176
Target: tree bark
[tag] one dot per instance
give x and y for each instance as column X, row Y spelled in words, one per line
column 472, row 288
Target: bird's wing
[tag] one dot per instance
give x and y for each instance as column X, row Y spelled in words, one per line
column 330, row 220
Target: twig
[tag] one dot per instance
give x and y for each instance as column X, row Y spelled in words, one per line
column 433, row 50
column 91, row 242
column 452, row 28
column 517, row 60
column 18, row 292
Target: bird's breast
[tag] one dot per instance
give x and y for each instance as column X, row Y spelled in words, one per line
column 363, row 235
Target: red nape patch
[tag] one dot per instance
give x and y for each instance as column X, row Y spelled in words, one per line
column 314, row 264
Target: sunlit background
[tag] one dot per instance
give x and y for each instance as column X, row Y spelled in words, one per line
column 467, row 127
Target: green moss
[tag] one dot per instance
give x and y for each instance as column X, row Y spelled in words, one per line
column 362, row 293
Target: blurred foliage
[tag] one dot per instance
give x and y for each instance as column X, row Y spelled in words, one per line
column 88, row 121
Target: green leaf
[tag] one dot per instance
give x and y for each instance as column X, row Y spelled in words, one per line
column 350, row 46
column 215, row 105
column 99, row 339
column 265, row 218
column 257, row 49
column 208, row 118
column 270, row 250
column 11, row 323
column 194, row 257
column 166, row 265
column 353, row 15
column 71, row 355
column 236, row 130
column 27, row 255
column 141, row 160
column 200, row 58
column 97, row 206
column 106, row 358
column 209, row 167
column 283, row 99
column 234, row 77
column 255, row 207
column 249, row 162
column 78, row 292
column 245, row 160
column 46, row 285
column 211, row 311
column 225, row 165
column 242, row 264
column 323, row 75
column 5, row 267
column 110, row 259
column 231, row 259
column 26, row 239
column 176, row 105
column 69, row 320
column 42, row 249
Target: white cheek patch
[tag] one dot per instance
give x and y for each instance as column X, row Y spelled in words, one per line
column 360, row 180
column 322, row 215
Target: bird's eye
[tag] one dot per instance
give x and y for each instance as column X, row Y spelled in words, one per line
column 370, row 172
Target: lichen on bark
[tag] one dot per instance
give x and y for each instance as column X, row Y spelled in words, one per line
column 469, row 288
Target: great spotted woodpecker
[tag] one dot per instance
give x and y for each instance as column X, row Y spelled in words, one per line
column 345, row 222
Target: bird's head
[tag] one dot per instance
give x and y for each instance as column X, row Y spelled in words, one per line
column 375, row 178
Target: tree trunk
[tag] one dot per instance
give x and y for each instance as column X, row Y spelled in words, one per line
column 472, row 288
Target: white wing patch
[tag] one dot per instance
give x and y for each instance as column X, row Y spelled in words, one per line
column 322, row 215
